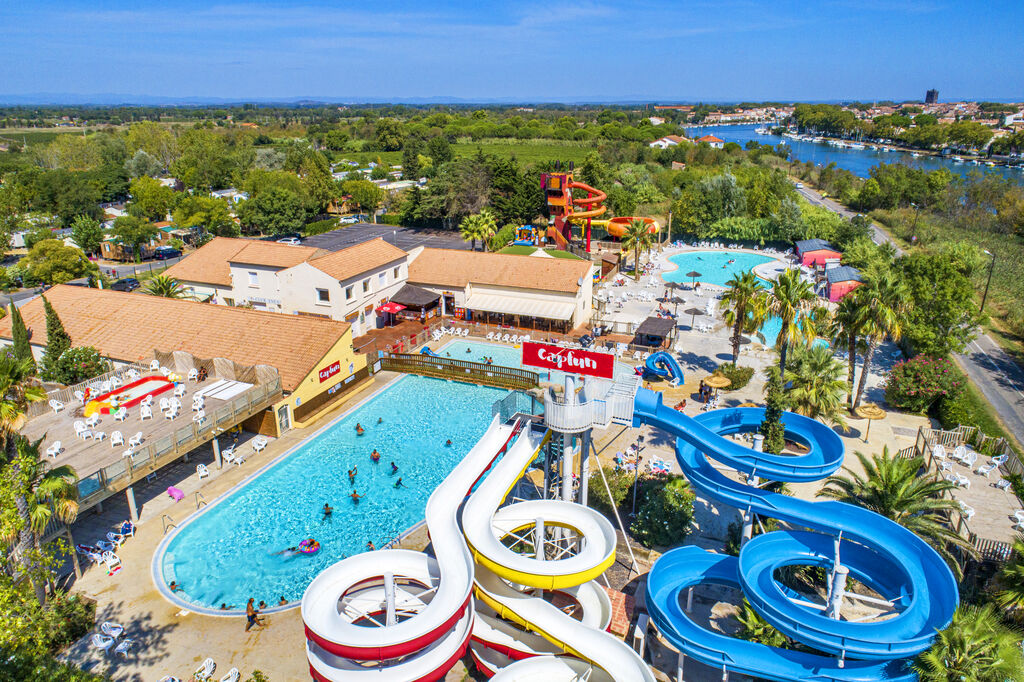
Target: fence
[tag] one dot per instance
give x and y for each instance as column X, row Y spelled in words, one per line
column 517, row 403
column 150, row 457
column 459, row 370
column 927, row 439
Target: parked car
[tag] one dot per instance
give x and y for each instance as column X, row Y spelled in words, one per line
column 291, row 241
column 126, row 284
column 279, row 237
column 799, row 185
column 165, row 252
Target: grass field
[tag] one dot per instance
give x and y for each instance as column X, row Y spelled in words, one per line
column 522, row 250
column 32, row 137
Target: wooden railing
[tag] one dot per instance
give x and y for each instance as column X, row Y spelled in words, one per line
column 459, row 370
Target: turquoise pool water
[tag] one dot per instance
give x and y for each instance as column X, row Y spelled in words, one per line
column 227, row 554
column 714, row 266
column 509, row 356
column 771, row 328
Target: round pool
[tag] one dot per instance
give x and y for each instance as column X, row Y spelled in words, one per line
column 716, row 267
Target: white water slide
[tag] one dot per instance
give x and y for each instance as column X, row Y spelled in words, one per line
column 399, row 616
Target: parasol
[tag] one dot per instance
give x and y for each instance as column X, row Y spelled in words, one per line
column 693, row 313
column 870, row 412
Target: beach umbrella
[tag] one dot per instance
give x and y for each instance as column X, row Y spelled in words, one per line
column 748, row 405
column 717, row 381
column 693, row 313
column 871, row 412
column 693, row 274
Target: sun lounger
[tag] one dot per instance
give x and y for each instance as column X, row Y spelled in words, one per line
column 169, row 678
column 1000, row 460
column 986, row 469
column 232, row 676
column 115, row 539
column 205, row 670
column 93, row 553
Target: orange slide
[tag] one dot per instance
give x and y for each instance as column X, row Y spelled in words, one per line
column 616, row 227
column 598, row 197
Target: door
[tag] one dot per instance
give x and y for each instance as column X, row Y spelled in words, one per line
column 284, row 421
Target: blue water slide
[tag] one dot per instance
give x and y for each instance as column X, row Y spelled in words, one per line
column 662, row 364
column 427, row 351
column 877, row 552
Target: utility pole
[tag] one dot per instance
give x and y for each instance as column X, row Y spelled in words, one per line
column 991, row 267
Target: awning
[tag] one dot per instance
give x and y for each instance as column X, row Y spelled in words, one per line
column 391, row 307
column 549, row 310
column 656, row 326
column 410, row 295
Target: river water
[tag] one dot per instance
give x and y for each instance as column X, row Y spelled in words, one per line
column 857, row 161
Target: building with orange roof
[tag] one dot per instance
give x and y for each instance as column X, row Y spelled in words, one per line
column 715, row 142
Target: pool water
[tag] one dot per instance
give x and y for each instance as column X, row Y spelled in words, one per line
column 510, row 356
column 227, row 554
column 714, row 266
column 771, row 328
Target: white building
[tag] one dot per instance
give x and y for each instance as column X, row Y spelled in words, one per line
column 667, row 141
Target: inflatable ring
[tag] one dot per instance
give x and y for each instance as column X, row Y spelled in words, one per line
column 307, row 547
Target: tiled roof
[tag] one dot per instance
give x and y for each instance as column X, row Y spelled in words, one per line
column 274, row 255
column 354, row 260
column 209, row 264
column 805, row 245
column 710, row 138
column 456, row 268
column 129, row 327
column 844, row 273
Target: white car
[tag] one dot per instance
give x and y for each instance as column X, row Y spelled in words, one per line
column 291, row 241
column 799, row 185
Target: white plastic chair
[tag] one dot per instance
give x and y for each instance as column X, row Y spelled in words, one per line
column 199, row 417
column 1002, row 484
column 202, row 471
column 124, row 647
column 165, row 404
column 102, row 642
column 154, row 365
column 986, row 469
column 111, row 629
column 148, row 400
column 258, row 443
column 205, row 670
column 115, row 539
column 960, row 453
column 111, row 561
column 198, row 403
column 80, row 396
column 171, row 413
column 967, row 510
column 179, row 390
column 963, row 481
column 193, row 374
column 136, row 440
column 232, row 676
column 92, row 420
column 145, row 412
column 121, row 414
column 54, row 449
column 56, row 405
column 1000, row 460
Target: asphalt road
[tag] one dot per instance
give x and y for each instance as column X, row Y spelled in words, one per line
column 989, row 367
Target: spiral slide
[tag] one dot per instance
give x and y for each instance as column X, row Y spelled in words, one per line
column 398, row 615
column 662, row 364
column 913, row 580
column 594, row 204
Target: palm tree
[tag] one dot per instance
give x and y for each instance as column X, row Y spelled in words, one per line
column 754, row 628
column 891, row 488
column 884, row 304
column 976, row 646
column 17, row 390
column 637, row 238
column 480, row 225
column 816, row 384
column 844, row 330
column 790, row 299
column 1011, row 581
column 53, row 493
column 744, row 302
column 166, row 287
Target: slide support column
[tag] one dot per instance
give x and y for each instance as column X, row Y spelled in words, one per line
column 836, row 592
column 584, row 454
column 538, row 538
column 389, row 597
column 680, row 664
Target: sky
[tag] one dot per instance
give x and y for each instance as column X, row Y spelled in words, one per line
column 520, row 50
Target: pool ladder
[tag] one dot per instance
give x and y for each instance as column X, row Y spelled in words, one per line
column 200, row 500
column 168, row 522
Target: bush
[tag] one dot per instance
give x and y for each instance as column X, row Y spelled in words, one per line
column 916, row 384
column 320, row 226
column 502, row 237
column 620, row 482
column 76, row 365
column 739, row 376
column 389, row 219
column 665, row 511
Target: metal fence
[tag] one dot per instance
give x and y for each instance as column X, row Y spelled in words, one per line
column 459, row 370
column 517, row 403
column 164, row 449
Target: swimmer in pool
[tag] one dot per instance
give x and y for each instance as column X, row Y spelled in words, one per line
column 359, row 429
column 289, row 551
column 369, row 546
column 394, row 468
column 355, row 496
column 380, row 420
column 375, row 456
column 398, row 483
column 328, row 510
column 352, row 474
column 448, row 443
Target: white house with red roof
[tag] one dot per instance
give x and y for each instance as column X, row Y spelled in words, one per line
column 715, row 142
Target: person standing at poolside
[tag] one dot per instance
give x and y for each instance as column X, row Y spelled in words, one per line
column 252, row 616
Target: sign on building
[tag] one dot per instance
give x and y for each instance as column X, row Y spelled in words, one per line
column 569, row 360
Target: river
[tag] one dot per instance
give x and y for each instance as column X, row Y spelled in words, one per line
column 857, row 161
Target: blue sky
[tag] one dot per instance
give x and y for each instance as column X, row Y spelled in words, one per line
column 717, row 50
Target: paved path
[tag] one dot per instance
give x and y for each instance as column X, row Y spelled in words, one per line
column 993, row 371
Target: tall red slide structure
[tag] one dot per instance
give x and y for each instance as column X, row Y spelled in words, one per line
column 565, row 208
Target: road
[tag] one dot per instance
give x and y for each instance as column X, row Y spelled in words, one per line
column 989, row 367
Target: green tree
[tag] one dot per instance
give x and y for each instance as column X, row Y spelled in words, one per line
column 275, row 211
column 87, row 233
column 143, row 164
column 150, row 199
column 153, row 139
column 319, row 186
column 134, row 231
column 66, row 195
column 205, row 161
column 366, row 194
column 411, row 162
column 388, row 135
column 209, row 213
column 816, row 385
column 942, row 317
column 17, row 391
column 1011, row 582
column 53, row 262
column 480, row 226
column 637, row 238
column 665, row 511
column 890, row 486
column 744, row 303
column 40, row 232
column 19, row 336
column 775, row 404
column 844, row 331
column 883, row 303
column 790, row 299
column 57, row 341
column 439, row 151
column 52, row 492
column 976, row 646
column 165, row 286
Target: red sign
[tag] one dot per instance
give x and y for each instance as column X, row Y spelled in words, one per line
column 329, row 371
column 569, row 360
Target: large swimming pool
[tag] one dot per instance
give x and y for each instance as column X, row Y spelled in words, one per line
column 510, row 356
column 229, row 552
column 716, row 267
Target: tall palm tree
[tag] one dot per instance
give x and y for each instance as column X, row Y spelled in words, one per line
column 469, row 228
column 166, row 286
column 744, row 302
column 53, row 493
column 17, row 391
column 844, row 330
column 976, row 647
column 1011, row 581
column 791, row 299
column 637, row 238
column 816, row 384
column 884, row 305
column 488, row 226
column 891, row 488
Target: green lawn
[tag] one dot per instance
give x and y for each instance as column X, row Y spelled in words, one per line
column 556, row 253
column 519, row 250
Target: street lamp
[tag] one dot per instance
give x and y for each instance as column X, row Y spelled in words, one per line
column 991, row 267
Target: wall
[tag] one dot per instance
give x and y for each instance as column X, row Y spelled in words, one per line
column 265, row 295
column 839, row 289
column 311, row 386
column 811, row 258
column 202, row 291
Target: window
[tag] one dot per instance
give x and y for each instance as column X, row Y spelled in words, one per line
column 229, row 301
column 254, row 279
column 382, row 279
column 366, row 285
column 323, row 296
column 397, row 272
column 348, row 293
